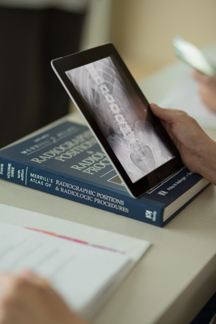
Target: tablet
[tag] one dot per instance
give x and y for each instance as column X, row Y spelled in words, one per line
column 117, row 112
column 191, row 55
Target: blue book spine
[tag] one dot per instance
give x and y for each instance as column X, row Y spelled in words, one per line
column 81, row 191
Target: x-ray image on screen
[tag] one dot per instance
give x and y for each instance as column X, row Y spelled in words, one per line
column 121, row 116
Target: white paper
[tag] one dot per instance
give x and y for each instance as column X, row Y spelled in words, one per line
column 133, row 249
column 78, row 271
column 185, row 97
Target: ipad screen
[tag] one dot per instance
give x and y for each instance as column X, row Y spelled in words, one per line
column 121, row 115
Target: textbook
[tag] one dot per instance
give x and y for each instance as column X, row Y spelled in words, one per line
column 66, row 160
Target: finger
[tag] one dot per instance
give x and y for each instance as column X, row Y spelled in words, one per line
column 156, row 109
column 34, row 278
column 200, row 77
column 168, row 115
column 5, row 280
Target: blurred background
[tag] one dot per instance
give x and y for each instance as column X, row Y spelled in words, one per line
column 34, row 32
column 142, row 30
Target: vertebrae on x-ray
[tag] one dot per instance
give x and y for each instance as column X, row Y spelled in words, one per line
column 126, row 130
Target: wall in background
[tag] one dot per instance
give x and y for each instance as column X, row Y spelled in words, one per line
column 143, row 29
column 98, row 24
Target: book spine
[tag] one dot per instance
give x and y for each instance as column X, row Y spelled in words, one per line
column 80, row 191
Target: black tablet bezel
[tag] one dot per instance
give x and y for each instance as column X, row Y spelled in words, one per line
column 63, row 64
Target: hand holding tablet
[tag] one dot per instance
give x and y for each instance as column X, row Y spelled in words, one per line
column 104, row 91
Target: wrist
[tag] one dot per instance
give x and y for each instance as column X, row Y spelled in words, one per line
column 207, row 163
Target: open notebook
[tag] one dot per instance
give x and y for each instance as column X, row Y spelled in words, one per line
column 84, row 269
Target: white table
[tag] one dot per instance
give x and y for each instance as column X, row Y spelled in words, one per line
column 177, row 275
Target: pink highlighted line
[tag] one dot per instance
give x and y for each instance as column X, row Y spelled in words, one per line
column 74, row 240
column 71, row 239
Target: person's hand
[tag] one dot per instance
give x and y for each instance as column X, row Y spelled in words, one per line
column 206, row 89
column 29, row 299
column 197, row 150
